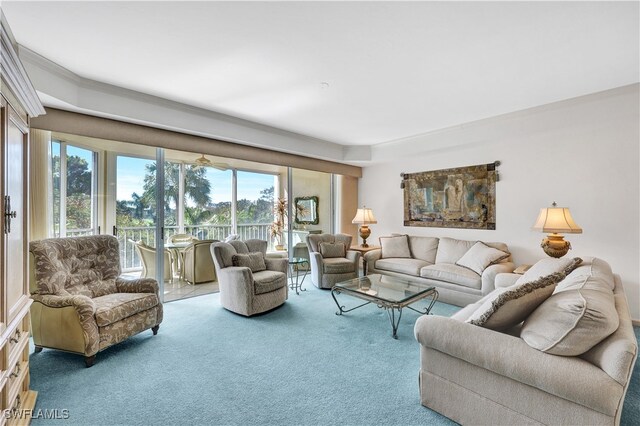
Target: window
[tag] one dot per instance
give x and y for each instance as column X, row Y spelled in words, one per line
column 254, row 206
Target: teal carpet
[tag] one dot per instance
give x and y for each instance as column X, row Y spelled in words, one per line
column 298, row 365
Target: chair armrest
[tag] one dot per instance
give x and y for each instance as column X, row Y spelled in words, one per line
column 316, row 267
column 372, row 256
column 353, row 256
column 80, row 303
column 568, row 377
column 234, row 276
column 274, row 264
column 139, row 285
column 489, row 275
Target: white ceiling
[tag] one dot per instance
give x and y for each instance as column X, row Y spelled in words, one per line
column 393, row 70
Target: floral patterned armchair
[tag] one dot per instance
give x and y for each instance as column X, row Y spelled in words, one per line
column 80, row 303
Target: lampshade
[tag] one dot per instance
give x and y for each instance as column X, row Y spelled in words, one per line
column 556, row 220
column 364, row 216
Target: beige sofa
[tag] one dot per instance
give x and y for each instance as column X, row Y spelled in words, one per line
column 475, row 375
column 433, row 260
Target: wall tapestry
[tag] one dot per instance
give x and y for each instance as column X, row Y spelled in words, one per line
column 463, row 197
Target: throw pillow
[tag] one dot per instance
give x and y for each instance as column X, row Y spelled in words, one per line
column 480, row 256
column 508, row 307
column 253, row 261
column 329, row 250
column 548, row 266
column 450, row 250
column 396, row 246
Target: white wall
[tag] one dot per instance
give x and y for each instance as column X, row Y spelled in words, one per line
column 583, row 153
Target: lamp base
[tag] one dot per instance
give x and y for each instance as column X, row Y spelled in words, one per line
column 555, row 245
column 364, row 234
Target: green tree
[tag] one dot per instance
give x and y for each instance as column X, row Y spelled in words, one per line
column 79, row 189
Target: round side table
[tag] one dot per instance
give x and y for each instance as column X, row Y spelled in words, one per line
column 294, row 265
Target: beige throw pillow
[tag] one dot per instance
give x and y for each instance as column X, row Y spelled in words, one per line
column 253, row 261
column 508, row 307
column 548, row 266
column 396, row 246
column 480, row 256
column 328, row 250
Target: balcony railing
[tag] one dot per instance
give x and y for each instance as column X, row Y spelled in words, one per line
column 127, row 236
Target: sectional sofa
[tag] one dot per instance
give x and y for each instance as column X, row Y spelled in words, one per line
column 437, row 262
column 567, row 361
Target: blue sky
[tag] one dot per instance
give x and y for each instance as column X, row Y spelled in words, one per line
column 131, row 171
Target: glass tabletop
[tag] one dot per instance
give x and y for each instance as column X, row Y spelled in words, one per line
column 384, row 287
column 297, row 260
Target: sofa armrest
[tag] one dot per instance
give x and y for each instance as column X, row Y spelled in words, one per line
column 277, row 264
column 139, row 285
column 504, row 280
column 568, row 377
column 372, row 256
column 489, row 275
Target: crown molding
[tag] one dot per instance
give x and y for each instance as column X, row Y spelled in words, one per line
column 14, row 73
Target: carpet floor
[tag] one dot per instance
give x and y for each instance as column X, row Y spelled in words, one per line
column 298, row 365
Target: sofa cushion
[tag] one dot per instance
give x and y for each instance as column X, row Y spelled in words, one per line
column 453, row 274
column 328, row 250
column 253, row 261
column 578, row 316
column 450, row 250
column 268, row 281
column 478, row 257
column 548, row 266
column 338, row 265
column 424, row 248
column 396, row 246
column 401, row 265
column 114, row 307
column 507, row 307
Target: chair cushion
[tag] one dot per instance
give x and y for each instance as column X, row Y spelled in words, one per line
column 450, row 250
column 118, row 306
column 338, row 265
column 402, row 265
column 508, row 307
column 396, row 246
column 478, row 257
column 268, row 281
column 253, row 261
column 329, row 250
column 453, row 274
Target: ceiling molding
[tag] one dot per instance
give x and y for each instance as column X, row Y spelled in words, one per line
column 68, row 91
column 14, row 74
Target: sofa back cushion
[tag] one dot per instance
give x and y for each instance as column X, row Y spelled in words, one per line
column 86, row 266
column 424, row 248
column 450, row 250
column 578, row 316
column 395, row 246
column 330, row 250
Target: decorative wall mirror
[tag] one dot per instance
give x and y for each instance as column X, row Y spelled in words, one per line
column 306, row 210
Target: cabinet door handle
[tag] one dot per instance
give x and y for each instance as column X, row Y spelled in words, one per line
column 8, row 214
column 16, row 371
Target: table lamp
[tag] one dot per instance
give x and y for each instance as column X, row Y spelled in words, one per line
column 364, row 217
column 556, row 220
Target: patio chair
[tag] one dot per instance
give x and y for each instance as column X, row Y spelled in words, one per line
column 81, row 305
column 258, row 285
column 148, row 257
column 198, row 263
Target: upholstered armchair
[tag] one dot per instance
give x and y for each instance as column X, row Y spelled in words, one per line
column 198, row 263
column 249, row 282
column 81, row 304
column 148, row 257
column 331, row 259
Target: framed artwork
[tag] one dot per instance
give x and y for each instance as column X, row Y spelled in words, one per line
column 306, row 210
column 463, row 197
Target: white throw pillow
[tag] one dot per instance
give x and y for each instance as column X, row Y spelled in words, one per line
column 548, row 266
column 480, row 256
column 396, row 246
column 508, row 307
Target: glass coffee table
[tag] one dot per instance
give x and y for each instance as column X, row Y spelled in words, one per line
column 387, row 292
